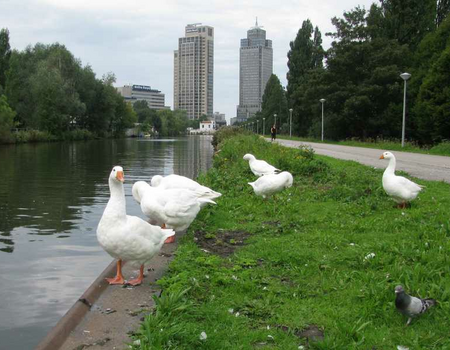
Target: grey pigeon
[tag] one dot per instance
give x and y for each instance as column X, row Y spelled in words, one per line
column 411, row 306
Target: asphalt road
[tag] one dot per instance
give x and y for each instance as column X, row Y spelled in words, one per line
column 423, row 166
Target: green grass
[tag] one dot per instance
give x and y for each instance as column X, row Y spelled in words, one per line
column 441, row 149
column 304, row 263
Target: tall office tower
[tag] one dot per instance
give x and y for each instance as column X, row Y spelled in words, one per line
column 255, row 69
column 194, row 71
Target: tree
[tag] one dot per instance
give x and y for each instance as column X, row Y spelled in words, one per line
column 306, row 53
column 274, row 102
column 5, row 54
column 433, row 103
column 6, row 119
column 409, row 21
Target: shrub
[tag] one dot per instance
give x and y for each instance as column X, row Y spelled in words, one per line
column 225, row 133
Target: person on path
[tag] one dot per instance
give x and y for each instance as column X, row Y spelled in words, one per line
column 273, row 132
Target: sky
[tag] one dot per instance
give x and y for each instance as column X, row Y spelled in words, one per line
column 135, row 39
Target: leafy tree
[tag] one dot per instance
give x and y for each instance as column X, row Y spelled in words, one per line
column 433, row 104
column 6, row 119
column 274, row 102
column 5, row 54
column 306, row 53
column 409, row 21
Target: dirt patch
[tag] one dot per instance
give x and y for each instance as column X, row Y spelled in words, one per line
column 222, row 242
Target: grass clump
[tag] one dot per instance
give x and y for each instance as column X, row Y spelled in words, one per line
column 442, row 149
column 322, row 257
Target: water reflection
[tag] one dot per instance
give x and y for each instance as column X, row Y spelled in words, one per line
column 51, row 199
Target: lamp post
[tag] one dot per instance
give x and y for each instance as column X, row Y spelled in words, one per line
column 275, row 117
column 405, row 76
column 257, row 126
column 264, row 126
column 290, row 122
column 322, row 100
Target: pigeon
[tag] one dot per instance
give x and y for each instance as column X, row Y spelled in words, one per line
column 409, row 305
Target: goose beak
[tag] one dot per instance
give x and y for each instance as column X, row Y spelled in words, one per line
column 119, row 176
column 382, row 156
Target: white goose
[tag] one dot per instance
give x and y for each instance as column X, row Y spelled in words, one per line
column 260, row 167
column 399, row 188
column 272, row 183
column 173, row 208
column 178, row 181
column 124, row 237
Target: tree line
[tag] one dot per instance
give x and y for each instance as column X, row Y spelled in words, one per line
column 359, row 75
column 46, row 88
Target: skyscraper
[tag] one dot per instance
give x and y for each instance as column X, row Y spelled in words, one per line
column 255, row 69
column 194, row 71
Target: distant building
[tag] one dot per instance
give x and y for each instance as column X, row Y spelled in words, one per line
column 132, row 93
column 219, row 119
column 194, row 71
column 255, row 69
column 205, row 128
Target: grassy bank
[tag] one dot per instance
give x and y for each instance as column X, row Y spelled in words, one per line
column 441, row 149
column 28, row 136
column 284, row 272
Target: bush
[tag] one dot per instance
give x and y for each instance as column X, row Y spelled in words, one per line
column 77, row 135
column 442, row 148
column 33, row 136
column 225, row 133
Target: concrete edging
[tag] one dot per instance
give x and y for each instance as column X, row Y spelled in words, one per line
column 59, row 333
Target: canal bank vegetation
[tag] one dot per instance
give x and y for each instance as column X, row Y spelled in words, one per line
column 440, row 149
column 315, row 266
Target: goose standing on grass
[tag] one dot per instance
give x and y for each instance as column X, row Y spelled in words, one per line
column 399, row 188
column 172, row 208
column 124, row 237
column 273, row 183
column 260, row 167
column 178, row 181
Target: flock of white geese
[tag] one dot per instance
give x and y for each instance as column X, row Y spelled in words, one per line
column 171, row 204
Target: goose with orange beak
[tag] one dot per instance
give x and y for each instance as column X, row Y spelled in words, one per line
column 399, row 188
column 124, row 237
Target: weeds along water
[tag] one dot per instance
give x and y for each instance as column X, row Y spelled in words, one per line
column 322, row 257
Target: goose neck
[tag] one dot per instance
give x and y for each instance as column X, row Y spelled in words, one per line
column 391, row 166
column 116, row 205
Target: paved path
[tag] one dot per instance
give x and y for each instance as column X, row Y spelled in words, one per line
column 424, row 166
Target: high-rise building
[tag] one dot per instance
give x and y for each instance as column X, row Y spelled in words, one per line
column 133, row 93
column 255, row 69
column 194, row 71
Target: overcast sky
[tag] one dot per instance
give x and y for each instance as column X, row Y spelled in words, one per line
column 135, row 39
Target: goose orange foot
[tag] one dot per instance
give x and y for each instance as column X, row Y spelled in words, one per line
column 138, row 280
column 119, row 277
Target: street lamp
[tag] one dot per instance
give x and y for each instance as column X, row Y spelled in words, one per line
column 275, row 117
column 405, row 76
column 290, row 122
column 322, row 100
column 264, row 126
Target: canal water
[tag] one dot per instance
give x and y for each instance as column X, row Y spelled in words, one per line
column 52, row 196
